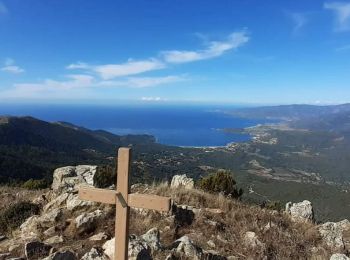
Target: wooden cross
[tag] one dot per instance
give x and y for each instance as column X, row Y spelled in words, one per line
column 124, row 200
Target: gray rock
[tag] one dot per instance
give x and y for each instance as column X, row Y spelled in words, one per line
column 74, row 203
column 95, row 254
column 339, row 257
column 332, row 233
column 251, row 240
column 30, row 228
column 58, row 202
column 50, row 217
column 137, row 249
column 211, row 243
column 54, row 240
column 66, row 179
column 182, row 181
column 86, row 220
column 300, row 211
column 152, row 239
column 99, row 237
column 184, row 246
column 36, row 249
column 108, row 248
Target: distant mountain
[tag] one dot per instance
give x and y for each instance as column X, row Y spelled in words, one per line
column 31, row 148
column 317, row 118
column 291, row 112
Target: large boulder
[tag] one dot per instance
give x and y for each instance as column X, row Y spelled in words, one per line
column 66, row 179
column 182, row 181
column 300, row 211
column 332, row 233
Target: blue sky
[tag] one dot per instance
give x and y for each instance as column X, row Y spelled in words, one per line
column 214, row 51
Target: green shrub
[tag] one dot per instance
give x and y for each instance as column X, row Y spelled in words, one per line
column 35, row 184
column 13, row 216
column 222, row 181
column 104, row 177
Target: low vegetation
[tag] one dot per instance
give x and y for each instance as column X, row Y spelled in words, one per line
column 14, row 215
column 221, row 182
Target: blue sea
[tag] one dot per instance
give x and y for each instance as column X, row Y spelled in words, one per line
column 172, row 125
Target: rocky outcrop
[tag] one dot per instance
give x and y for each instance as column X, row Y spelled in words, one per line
column 182, row 181
column 65, row 179
column 332, row 233
column 301, row 211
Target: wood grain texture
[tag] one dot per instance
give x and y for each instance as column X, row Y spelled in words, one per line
column 149, row 202
column 122, row 221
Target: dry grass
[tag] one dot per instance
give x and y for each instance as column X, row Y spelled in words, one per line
column 8, row 196
column 284, row 240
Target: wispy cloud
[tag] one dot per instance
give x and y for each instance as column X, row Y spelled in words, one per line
column 342, row 14
column 129, row 68
column 214, row 49
column 299, row 20
column 110, row 71
column 142, row 82
column 52, row 87
column 3, row 8
column 10, row 67
column 152, row 99
column 78, row 65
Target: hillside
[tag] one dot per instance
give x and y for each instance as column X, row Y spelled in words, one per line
column 31, row 148
column 200, row 225
column 292, row 112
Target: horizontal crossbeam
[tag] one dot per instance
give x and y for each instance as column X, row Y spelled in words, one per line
column 135, row 200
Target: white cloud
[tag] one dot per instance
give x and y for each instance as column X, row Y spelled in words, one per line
column 342, row 14
column 78, row 65
column 214, row 49
column 74, row 82
column 3, row 8
column 299, row 20
column 152, row 99
column 110, row 71
column 131, row 67
column 142, row 82
column 12, row 69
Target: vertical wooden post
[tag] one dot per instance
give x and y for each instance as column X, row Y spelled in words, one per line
column 122, row 213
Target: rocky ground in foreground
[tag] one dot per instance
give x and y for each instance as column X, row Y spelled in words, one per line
column 199, row 226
